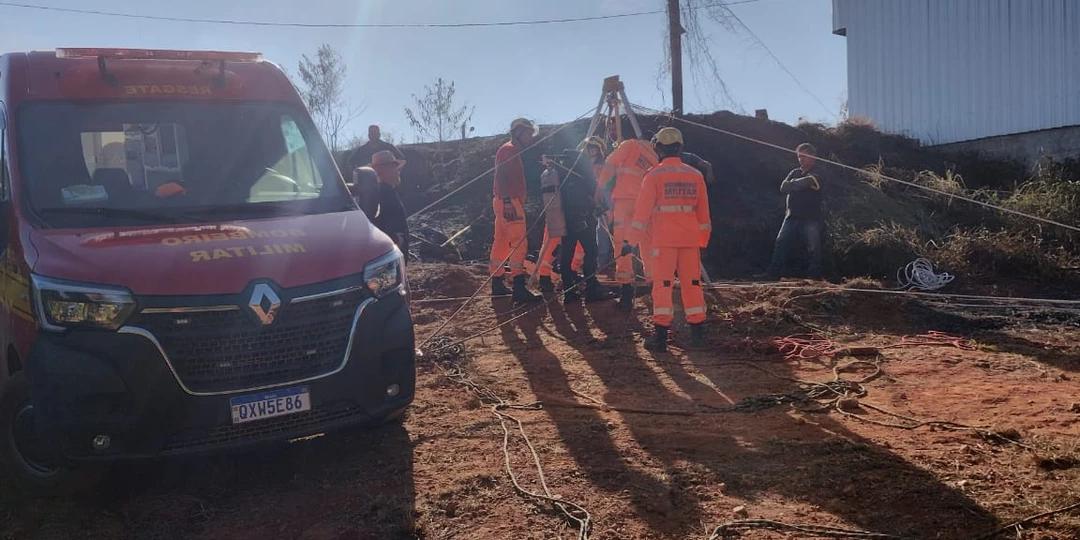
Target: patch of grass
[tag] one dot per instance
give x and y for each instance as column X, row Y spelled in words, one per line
column 982, row 253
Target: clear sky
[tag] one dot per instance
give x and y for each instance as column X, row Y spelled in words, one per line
column 550, row 73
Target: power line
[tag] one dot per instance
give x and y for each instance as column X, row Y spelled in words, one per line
column 240, row 22
column 756, row 38
column 857, row 170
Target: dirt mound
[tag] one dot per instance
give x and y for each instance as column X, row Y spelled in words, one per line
column 875, row 226
column 442, row 280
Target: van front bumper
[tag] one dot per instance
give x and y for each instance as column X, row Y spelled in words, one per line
column 91, row 385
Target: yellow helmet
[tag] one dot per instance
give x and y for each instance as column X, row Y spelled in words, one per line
column 594, row 141
column 668, row 136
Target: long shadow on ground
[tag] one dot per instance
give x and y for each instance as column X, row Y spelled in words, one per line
column 767, row 455
column 584, row 431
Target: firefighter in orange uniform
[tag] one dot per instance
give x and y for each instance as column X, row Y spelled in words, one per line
column 674, row 206
column 509, row 205
column 627, row 164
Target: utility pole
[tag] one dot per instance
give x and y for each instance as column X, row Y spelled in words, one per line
column 675, row 32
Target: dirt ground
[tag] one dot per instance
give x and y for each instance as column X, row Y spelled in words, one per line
column 652, row 445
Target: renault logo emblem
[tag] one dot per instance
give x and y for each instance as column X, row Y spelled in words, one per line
column 264, row 303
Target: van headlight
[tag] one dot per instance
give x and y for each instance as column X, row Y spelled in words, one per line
column 63, row 304
column 385, row 274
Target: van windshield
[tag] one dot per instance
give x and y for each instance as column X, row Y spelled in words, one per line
column 101, row 164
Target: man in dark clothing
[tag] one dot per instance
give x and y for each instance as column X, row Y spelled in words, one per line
column 704, row 167
column 804, row 219
column 362, row 156
column 534, row 205
column 364, row 189
column 580, row 212
column 391, row 217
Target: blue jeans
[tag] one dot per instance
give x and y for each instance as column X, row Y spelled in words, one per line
column 794, row 230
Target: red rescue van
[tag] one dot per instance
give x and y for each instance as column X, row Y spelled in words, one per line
column 183, row 269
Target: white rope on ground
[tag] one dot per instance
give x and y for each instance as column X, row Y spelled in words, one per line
column 971, row 200
column 1010, row 301
column 838, row 288
column 919, row 274
column 492, row 169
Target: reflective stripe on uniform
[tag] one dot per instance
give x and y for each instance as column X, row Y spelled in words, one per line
column 671, row 209
column 705, row 227
column 629, row 170
column 663, row 311
column 517, row 266
column 695, row 310
column 655, row 252
column 624, row 275
column 666, row 169
column 638, row 225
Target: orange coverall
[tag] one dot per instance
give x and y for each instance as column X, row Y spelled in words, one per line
column 547, row 258
column 628, row 164
column 509, row 206
column 674, row 206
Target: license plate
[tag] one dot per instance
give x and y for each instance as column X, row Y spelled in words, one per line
column 270, row 404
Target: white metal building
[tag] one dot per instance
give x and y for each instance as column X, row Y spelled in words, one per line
column 946, row 71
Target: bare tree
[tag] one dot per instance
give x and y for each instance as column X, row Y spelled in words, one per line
column 697, row 47
column 699, row 43
column 436, row 116
column 323, row 92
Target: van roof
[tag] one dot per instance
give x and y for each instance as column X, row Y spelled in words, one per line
column 125, row 74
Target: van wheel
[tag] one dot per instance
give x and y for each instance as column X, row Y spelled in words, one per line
column 26, row 457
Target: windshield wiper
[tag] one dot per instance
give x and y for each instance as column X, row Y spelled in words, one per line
column 145, row 215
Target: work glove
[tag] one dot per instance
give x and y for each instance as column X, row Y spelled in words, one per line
column 509, row 211
column 627, row 249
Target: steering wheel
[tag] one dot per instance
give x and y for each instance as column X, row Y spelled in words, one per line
column 285, row 179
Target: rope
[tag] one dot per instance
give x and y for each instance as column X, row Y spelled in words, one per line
column 442, row 352
column 492, row 169
column 919, row 274
column 498, row 268
column 734, row 529
column 965, row 198
column 1016, row 524
column 525, row 312
column 837, row 288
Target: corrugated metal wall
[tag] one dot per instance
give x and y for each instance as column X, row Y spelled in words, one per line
column 955, row 70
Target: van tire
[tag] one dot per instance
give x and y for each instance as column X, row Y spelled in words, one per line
column 35, row 475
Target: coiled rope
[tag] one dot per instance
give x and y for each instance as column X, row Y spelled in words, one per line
column 919, row 275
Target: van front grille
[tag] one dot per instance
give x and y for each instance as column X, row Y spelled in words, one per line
column 222, row 351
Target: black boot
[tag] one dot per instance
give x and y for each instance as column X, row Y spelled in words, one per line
column 697, row 336
column 498, row 288
column 626, row 298
column 594, row 292
column 658, row 341
column 571, row 295
column 522, row 294
column 546, row 285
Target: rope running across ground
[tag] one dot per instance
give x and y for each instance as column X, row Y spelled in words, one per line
column 447, row 357
column 480, row 176
column 965, row 198
column 492, row 275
